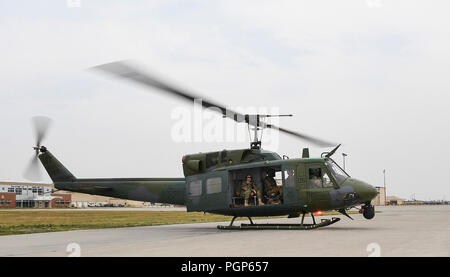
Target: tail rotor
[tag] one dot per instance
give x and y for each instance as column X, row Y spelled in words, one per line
column 40, row 125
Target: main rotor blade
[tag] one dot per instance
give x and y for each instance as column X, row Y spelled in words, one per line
column 41, row 125
column 33, row 171
column 313, row 140
column 126, row 70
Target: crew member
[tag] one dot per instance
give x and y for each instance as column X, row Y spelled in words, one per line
column 250, row 192
column 273, row 192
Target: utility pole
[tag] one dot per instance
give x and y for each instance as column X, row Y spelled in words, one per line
column 385, row 193
column 343, row 158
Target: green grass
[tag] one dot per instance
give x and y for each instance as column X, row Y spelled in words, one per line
column 23, row 222
column 27, row 221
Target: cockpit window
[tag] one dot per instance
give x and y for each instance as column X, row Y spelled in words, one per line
column 338, row 173
column 318, row 178
column 315, row 178
column 326, row 181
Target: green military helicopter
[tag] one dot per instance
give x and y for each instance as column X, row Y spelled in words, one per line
column 213, row 181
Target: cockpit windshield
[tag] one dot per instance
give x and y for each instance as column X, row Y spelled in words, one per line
column 338, row 173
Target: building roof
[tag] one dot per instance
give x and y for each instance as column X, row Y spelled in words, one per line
column 394, row 198
column 26, row 184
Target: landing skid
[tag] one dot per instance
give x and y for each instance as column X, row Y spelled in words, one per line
column 280, row 226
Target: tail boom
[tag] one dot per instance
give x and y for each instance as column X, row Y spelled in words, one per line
column 160, row 190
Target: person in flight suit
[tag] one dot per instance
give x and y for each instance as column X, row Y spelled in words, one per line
column 249, row 191
column 315, row 178
column 274, row 194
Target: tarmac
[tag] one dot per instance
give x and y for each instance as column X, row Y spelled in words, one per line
column 411, row 231
column 157, row 209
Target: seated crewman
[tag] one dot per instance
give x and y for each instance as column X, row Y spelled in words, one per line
column 315, row 178
column 273, row 192
column 249, row 191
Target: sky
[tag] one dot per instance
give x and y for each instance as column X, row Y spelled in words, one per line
column 370, row 74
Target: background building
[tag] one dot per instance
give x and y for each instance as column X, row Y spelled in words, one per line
column 380, row 200
column 393, row 200
column 7, row 200
column 31, row 195
column 61, row 200
column 38, row 195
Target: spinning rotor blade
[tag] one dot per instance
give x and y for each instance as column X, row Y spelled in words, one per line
column 316, row 141
column 33, row 171
column 41, row 125
column 128, row 71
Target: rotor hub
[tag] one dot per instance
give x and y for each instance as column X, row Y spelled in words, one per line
column 40, row 149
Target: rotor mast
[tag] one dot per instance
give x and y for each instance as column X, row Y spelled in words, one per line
column 255, row 124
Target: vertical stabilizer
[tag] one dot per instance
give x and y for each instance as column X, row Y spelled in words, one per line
column 55, row 169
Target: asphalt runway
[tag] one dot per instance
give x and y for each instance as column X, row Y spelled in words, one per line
column 395, row 231
column 157, row 209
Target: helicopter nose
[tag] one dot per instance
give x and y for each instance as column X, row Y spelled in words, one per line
column 372, row 192
column 365, row 191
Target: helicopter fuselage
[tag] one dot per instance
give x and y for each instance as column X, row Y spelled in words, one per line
column 305, row 185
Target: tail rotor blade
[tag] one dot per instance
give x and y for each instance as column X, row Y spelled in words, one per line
column 41, row 125
column 33, row 171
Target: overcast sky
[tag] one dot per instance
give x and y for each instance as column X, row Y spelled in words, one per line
column 370, row 74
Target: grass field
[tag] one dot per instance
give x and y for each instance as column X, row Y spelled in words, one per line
column 29, row 221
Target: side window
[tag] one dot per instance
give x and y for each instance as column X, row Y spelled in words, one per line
column 195, row 188
column 327, row 183
column 315, row 178
column 289, row 175
column 212, row 159
column 223, row 156
column 214, row 185
column 279, row 178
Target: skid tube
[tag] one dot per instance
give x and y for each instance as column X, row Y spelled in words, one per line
column 280, row 226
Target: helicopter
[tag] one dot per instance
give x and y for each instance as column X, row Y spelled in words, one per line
column 213, row 181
